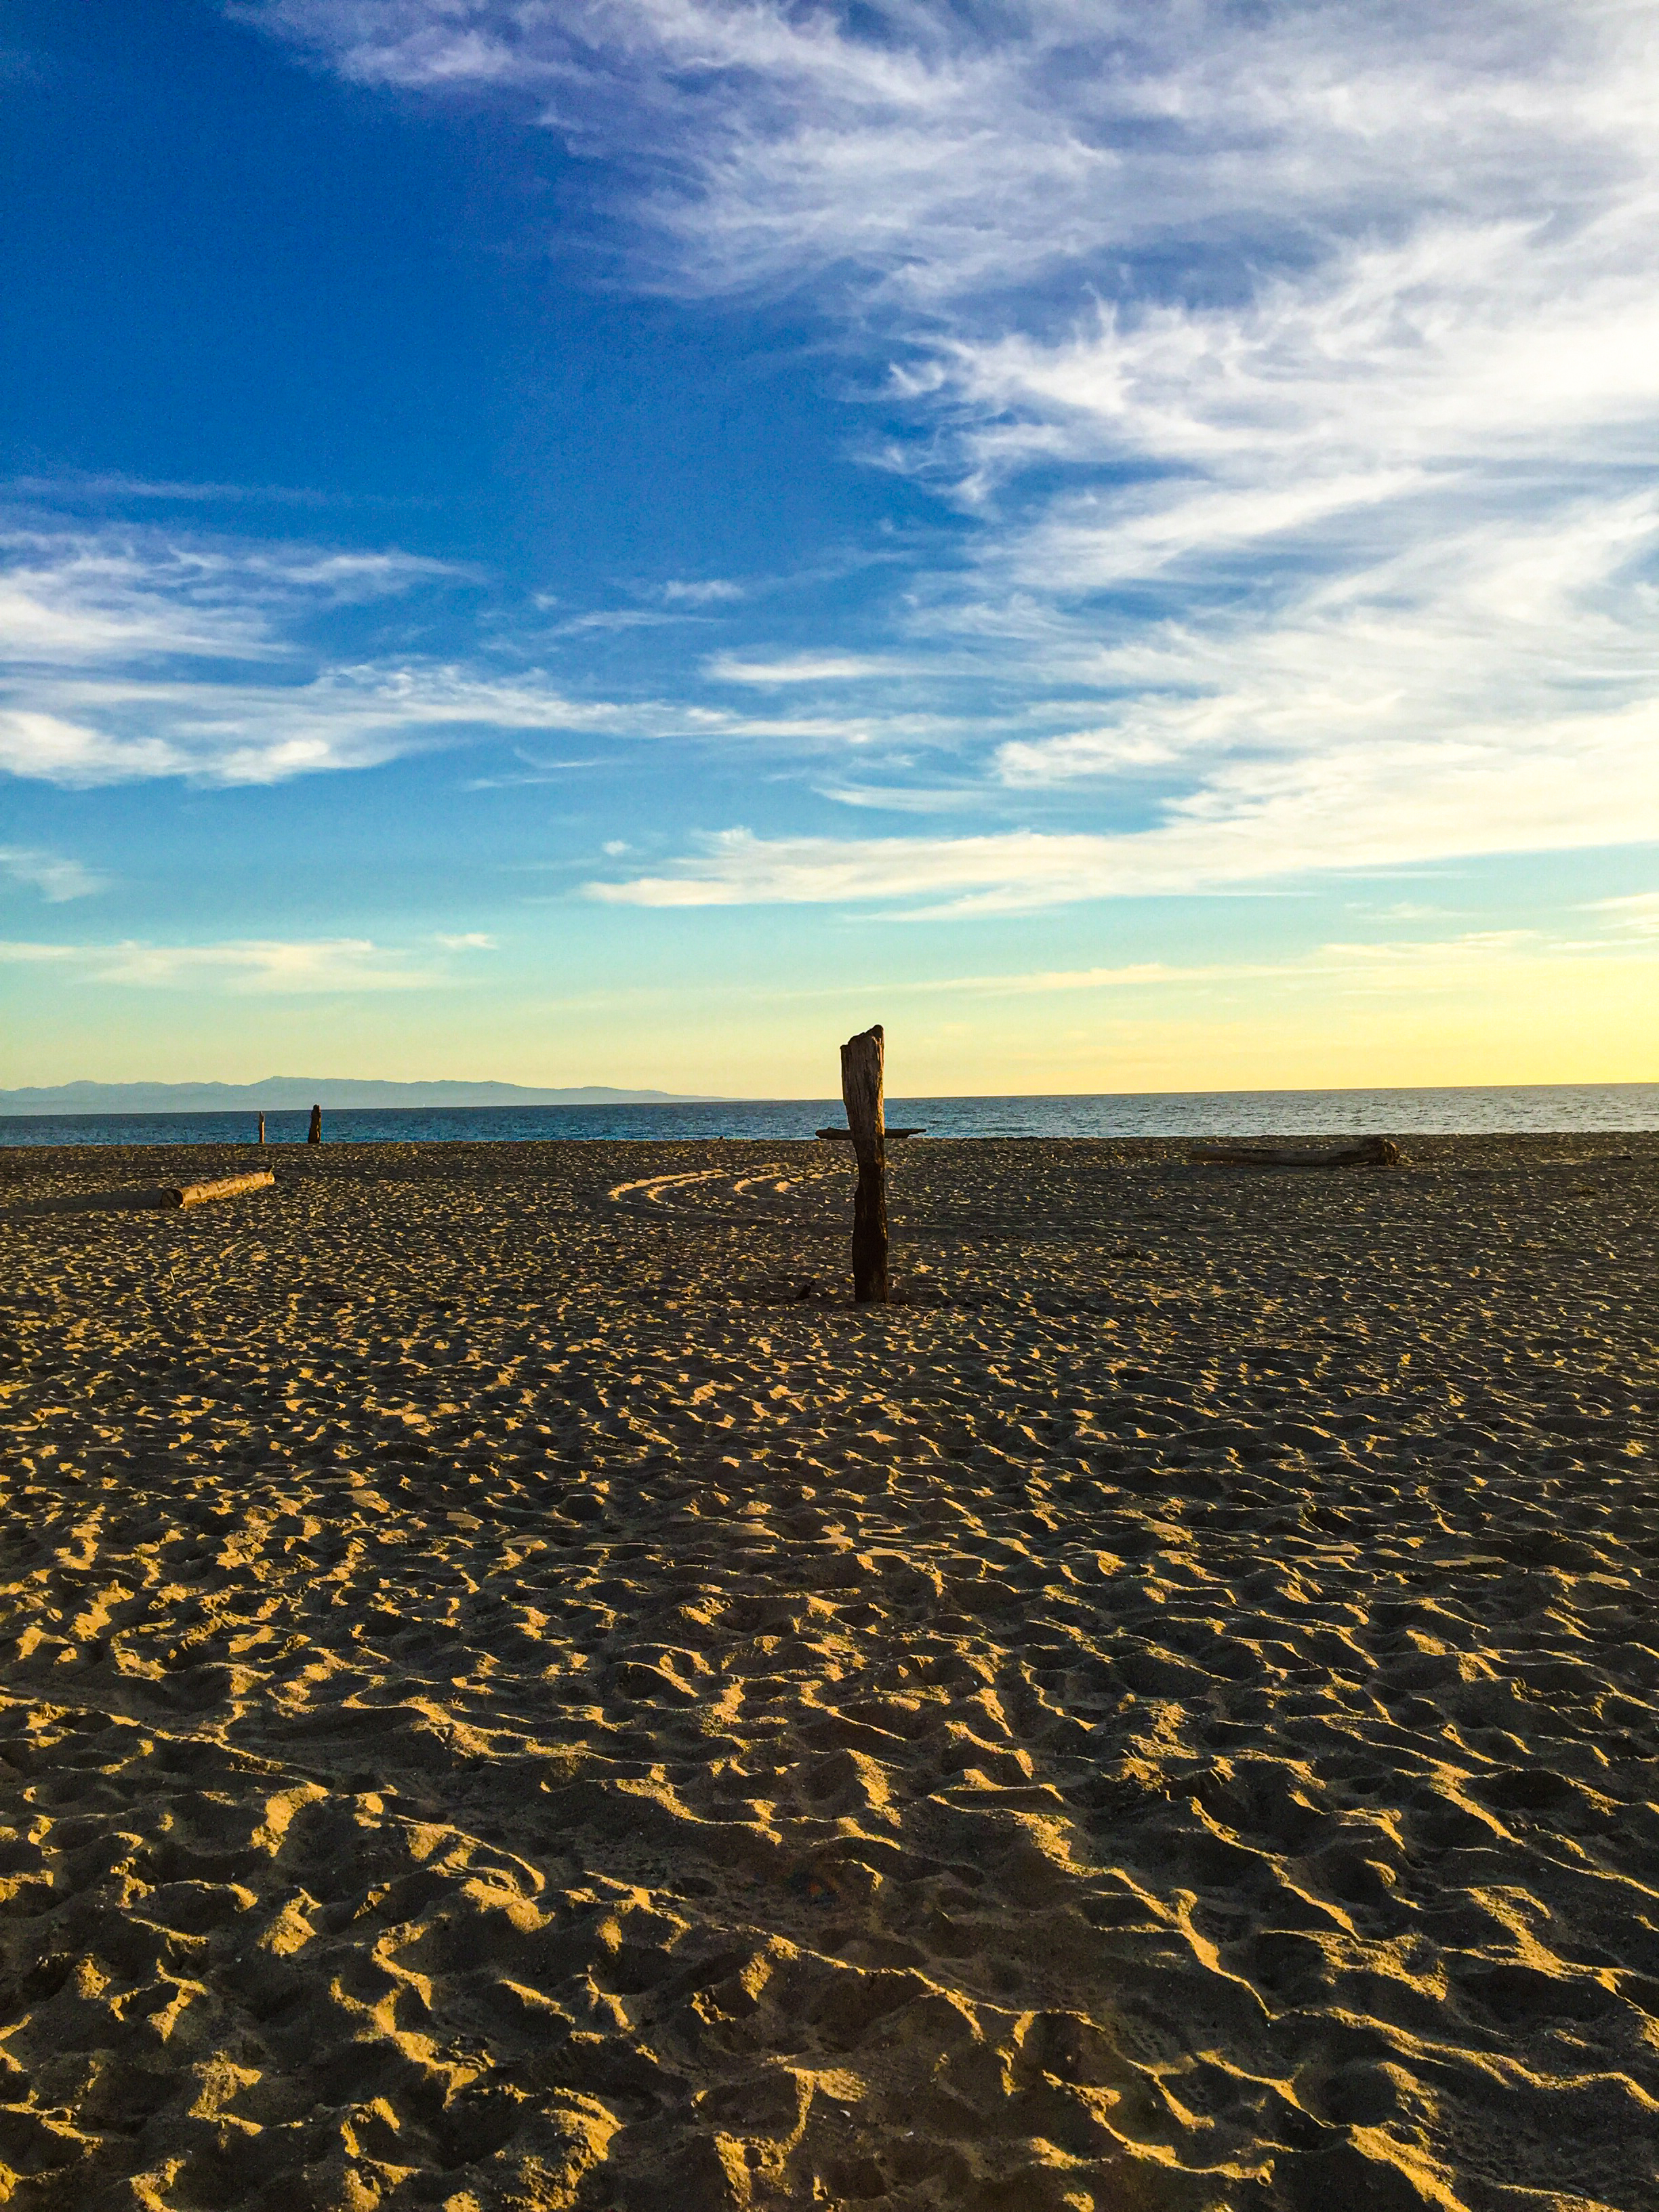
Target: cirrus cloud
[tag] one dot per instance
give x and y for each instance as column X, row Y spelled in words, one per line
column 284, row 967
column 1298, row 365
column 1250, row 823
column 56, row 878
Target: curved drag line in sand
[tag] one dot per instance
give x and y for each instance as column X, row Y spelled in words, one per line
column 655, row 1197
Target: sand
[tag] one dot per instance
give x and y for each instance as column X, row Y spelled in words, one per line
column 515, row 1694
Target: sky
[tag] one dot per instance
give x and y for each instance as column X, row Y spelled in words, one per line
column 617, row 541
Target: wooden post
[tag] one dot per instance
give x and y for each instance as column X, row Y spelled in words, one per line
column 314, row 1134
column 261, row 1128
column 861, row 1059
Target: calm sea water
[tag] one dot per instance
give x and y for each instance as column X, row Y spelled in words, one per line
column 1543, row 1106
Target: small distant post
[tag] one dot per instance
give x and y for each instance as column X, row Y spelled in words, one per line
column 314, row 1134
column 861, row 1075
column 261, row 1128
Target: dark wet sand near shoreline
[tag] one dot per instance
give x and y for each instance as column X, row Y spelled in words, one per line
column 506, row 1703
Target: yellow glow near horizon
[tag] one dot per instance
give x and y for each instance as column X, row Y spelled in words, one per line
column 1464, row 1015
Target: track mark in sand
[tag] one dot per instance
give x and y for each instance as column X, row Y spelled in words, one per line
column 654, row 1186
column 682, row 1195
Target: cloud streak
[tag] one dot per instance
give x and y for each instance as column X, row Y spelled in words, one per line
column 125, row 655
column 1409, row 964
column 70, row 599
column 802, row 668
column 1577, row 783
column 88, row 730
column 942, row 155
column 1298, row 367
column 259, row 966
column 1637, row 914
column 57, row 879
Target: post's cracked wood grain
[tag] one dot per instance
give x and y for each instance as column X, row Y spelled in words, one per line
column 504, row 1707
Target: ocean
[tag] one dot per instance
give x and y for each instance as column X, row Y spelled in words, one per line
column 1555, row 1108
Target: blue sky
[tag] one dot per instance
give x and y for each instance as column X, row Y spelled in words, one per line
column 615, row 541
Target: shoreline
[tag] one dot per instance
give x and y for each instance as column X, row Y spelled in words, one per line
column 1402, row 1113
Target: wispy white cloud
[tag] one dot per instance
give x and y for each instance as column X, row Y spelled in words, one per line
column 943, row 153
column 1404, row 910
column 114, row 730
column 125, row 655
column 51, row 749
column 1136, row 975
column 1468, row 632
column 342, row 963
column 1000, row 873
column 531, row 772
column 1409, row 964
column 680, row 591
column 906, row 799
column 801, row 668
column 256, row 965
column 71, row 489
column 1298, row 363
column 1638, row 914
column 56, row 878
column 89, row 730
column 1361, row 804
column 602, row 619
column 72, row 599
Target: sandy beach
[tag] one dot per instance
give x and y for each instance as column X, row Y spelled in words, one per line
column 517, row 1694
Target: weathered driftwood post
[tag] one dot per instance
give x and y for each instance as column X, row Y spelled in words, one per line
column 314, row 1134
column 861, row 1058
column 261, row 1128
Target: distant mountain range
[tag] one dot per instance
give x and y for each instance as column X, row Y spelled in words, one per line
column 285, row 1093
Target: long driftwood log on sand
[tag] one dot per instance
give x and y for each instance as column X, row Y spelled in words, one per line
column 1363, row 1153
column 193, row 1193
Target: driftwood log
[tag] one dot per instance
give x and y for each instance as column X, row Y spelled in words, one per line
column 193, row 1193
column 314, row 1134
column 1363, row 1153
column 889, row 1131
column 862, row 1082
